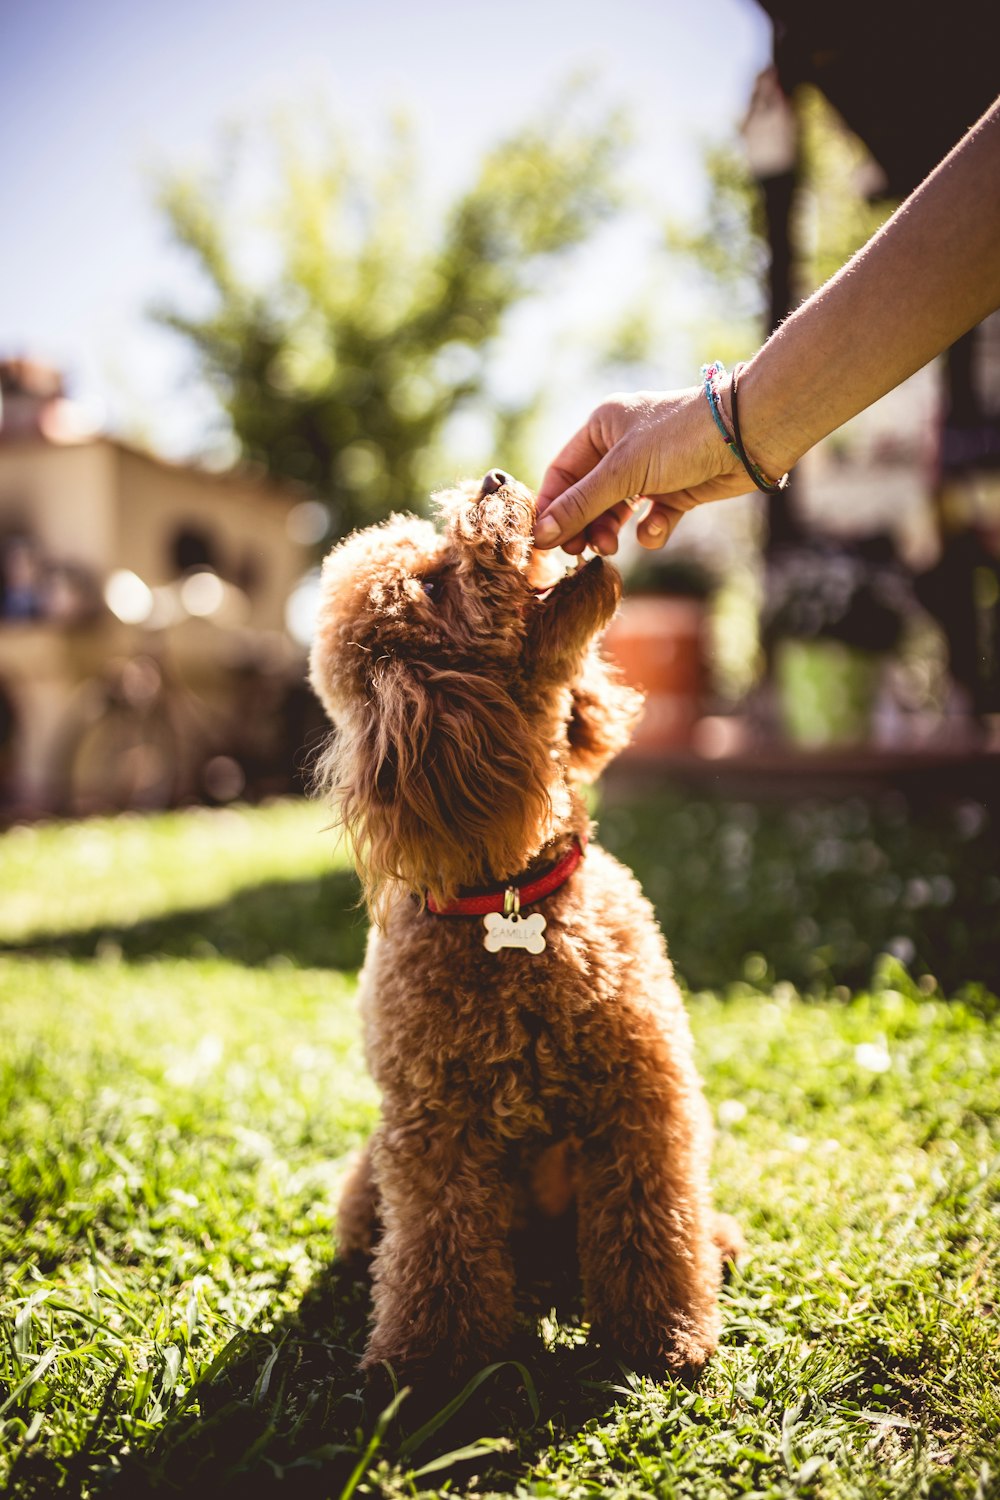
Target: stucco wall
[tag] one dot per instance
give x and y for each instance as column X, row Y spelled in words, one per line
column 62, row 496
column 245, row 524
column 100, row 507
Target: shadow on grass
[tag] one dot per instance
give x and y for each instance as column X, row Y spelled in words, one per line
column 314, row 923
column 285, row 1412
column 809, row 891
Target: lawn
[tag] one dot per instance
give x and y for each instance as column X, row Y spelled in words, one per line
column 181, row 1078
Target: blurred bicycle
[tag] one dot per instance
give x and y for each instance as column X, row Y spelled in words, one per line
column 194, row 706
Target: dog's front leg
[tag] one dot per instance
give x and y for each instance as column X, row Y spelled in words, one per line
column 650, row 1263
column 443, row 1279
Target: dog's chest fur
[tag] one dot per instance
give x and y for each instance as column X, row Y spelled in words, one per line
column 529, row 1042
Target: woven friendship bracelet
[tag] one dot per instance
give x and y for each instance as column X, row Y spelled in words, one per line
column 712, row 375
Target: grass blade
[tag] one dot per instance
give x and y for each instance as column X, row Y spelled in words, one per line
column 374, row 1443
column 414, row 1441
column 460, row 1455
column 35, row 1373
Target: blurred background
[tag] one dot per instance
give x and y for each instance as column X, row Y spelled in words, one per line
column 270, row 273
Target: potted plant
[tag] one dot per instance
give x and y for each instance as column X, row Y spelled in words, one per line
column 833, row 615
column 657, row 638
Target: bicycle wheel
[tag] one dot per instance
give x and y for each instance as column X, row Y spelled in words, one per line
column 121, row 751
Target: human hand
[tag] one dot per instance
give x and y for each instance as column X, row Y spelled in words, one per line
column 653, row 446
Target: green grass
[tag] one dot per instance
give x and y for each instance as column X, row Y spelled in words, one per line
column 180, row 1080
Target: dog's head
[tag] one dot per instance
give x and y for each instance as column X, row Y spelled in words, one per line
column 466, row 700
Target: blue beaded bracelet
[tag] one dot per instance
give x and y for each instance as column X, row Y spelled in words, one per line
column 711, row 375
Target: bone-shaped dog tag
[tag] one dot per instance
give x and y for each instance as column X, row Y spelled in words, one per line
column 514, row 932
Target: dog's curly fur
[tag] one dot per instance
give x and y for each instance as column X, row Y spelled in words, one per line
column 516, row 1087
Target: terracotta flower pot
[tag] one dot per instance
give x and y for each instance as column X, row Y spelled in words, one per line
column 658, row 643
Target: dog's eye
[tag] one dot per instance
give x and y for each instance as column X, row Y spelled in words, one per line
column 431, row 587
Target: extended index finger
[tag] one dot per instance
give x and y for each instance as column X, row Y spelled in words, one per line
column 570, row 464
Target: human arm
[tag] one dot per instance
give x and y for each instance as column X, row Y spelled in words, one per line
column 929, row 275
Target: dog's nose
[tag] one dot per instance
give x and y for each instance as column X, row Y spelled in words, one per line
column 493, row 481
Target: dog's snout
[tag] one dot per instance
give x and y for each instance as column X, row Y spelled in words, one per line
column 493, row 481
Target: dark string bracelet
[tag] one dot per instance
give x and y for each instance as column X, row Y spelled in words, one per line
column 760, row 479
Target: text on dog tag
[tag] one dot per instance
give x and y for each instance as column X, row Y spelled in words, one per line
column 514, row 932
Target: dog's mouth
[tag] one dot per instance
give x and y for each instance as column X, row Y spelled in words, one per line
column 545, row 571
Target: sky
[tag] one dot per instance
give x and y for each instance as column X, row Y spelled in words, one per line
column 96, row 97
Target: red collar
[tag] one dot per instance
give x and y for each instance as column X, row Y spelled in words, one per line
column 527, row 895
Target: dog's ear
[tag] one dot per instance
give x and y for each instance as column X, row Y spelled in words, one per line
column 605, row 711
column 438, row 782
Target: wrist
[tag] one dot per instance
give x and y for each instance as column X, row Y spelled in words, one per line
column 718, row 456
column 721, row 391
column 767, row 432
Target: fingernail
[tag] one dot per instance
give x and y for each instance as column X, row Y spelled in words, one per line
column 654, row 528
column 546, row 531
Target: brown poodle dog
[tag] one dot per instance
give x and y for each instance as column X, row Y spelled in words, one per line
column 526, row 1080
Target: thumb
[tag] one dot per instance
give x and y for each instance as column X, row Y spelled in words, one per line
column 583, row 502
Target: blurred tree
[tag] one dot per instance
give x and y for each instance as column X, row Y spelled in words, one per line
column 727, row 248
column 841, row 200
column 360, row 326
column 832, row 217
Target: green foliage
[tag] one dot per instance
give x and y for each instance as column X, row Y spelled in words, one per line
column 728, row 247
column 675, row 575
column 831, row 220
column 813, row 891
column 833, row 216
column 173, row 1126
column 362, row 327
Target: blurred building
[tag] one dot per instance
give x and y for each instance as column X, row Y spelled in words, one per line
column 110, row 556
column 909, row 85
